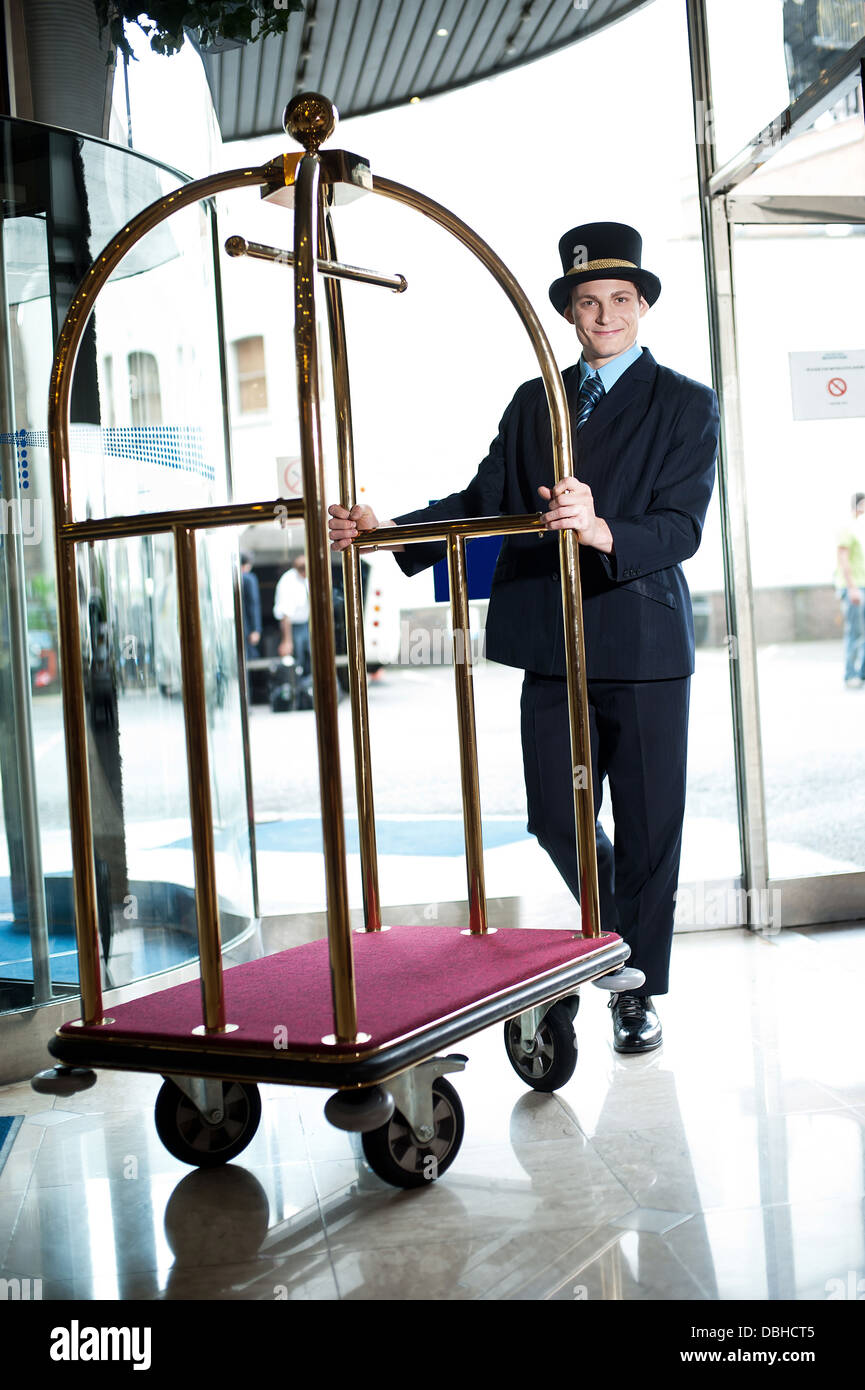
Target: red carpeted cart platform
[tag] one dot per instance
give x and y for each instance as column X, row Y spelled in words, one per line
column 366, row 1013
column 418, row 988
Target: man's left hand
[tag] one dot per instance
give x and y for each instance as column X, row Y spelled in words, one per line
column 572, row 508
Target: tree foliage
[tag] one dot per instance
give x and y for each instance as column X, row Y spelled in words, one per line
column 164, row 21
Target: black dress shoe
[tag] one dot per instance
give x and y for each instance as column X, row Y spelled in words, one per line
column 636, row 1026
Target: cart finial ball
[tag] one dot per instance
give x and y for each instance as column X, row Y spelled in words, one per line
column 310, row 118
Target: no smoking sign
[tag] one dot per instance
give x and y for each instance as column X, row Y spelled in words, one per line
column 827, row 385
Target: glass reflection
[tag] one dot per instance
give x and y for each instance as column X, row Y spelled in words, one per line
column 146, row 432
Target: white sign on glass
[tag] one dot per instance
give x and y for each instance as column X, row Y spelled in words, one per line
column 827, row 385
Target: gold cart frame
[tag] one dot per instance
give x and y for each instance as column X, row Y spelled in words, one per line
column 311, row 181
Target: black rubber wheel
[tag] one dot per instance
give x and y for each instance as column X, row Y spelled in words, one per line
column 552, row 1057
column 190, row 1137
column 396, row 1156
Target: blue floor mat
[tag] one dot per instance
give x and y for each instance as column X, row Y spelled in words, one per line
column 409, row 837
column 9, row 1127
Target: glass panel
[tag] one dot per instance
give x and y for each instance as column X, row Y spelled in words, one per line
column 156, row 321
column 159, row 445
column 764, row 56
column 803, row 405
column 137, row 748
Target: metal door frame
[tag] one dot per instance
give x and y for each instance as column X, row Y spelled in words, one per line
column 830, row 897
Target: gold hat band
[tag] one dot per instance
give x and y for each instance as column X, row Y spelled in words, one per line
column 600, row 265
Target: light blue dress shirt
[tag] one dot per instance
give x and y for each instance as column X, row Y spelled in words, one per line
column 611, row 371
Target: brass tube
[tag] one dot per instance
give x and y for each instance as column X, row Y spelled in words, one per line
column 387, row 536
column 467, row 735
column 82, row 305
column 198, row 770
column 353, row 594
column 72, row 687
column 563, row 466
column 331, row 268
column 322, row 647
column 148, row 523
column 80, row 819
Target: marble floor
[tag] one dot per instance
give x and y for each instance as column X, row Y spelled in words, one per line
column 728, row 1165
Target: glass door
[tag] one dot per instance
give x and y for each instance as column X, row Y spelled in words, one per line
column 798, row 266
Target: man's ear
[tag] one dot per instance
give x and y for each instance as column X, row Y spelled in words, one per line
column 645, row 306
column 568, row 312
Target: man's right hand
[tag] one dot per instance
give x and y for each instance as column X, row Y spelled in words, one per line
column 344, row 525
column 855, row 596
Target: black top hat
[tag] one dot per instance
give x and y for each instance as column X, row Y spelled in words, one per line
column 602, row 251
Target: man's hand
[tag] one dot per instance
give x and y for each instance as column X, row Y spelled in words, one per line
column 345, row 525
column 572, row 508
column 254, row 638
column 854, row 595
column 286, row 647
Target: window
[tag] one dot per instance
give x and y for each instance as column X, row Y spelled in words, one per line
column 251, row 376
column 144, row 399
column 107, row 391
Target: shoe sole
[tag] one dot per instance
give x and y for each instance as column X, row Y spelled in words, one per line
column 641, row 1047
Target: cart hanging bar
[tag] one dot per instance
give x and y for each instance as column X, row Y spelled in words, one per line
column 239, row 246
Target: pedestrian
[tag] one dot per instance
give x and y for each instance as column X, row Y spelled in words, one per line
column 850, row 583
column 251, row 608
column 291, row 610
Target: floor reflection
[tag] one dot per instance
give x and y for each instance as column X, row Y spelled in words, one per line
column 727, row 1165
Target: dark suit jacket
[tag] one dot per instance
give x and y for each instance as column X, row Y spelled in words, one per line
column 647, row 451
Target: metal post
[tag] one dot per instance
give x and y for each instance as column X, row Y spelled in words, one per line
column 738, row 587
column 19, row 671
column 353, row 592
column 198, row 770
column 467, row 735
column 322, row 646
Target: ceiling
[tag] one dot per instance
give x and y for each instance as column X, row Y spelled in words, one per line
column 369, row 55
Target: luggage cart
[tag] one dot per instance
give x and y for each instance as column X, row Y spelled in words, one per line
column 364, row 1014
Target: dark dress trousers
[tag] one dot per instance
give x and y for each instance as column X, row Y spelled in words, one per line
column 647, row 452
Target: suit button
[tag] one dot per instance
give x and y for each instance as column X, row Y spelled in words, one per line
column 555, row 576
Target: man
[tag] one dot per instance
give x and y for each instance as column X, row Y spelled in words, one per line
column 251, row 605
column 850, row 582
column 291, row 610
column 251, row 596
column 646, row 440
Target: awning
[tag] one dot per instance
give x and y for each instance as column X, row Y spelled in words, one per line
column 369, row 55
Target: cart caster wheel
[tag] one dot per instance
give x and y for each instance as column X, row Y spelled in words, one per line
column 551, row 1057
column 396, row 1156
column 193, row 1139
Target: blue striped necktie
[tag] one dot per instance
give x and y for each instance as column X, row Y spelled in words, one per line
column 590, row 393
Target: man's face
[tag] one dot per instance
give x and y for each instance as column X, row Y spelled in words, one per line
column 606, row 315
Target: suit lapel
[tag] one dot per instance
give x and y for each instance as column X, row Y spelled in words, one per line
column 631, row 386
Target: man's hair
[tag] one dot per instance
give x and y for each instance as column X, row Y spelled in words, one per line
column 858, row 499
column 245, row 557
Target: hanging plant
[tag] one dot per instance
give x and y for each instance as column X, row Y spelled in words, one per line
column 223, row 23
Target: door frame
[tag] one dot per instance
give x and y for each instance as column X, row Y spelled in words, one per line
column 831, row 897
